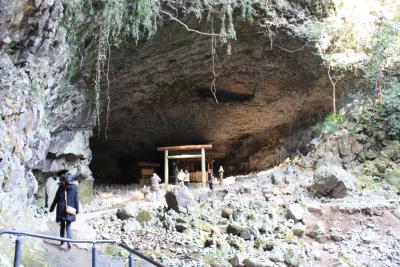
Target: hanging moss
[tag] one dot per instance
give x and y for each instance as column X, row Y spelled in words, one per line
column 95, row 25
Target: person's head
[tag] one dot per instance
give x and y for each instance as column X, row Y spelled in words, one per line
column 181, row 170
column 209, row 170
column 68, row 178
column 186, row 171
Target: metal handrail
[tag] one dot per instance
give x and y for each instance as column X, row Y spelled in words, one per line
column 18, row 247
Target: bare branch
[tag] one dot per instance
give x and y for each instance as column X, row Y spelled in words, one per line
column 187, row 27
column 213, row 87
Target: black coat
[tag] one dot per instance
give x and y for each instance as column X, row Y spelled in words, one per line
column 59, row 200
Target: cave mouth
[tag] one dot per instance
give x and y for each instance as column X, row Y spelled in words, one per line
column 160, row 96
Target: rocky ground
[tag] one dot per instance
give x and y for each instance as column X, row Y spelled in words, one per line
column 337, row 206
column 318, row 210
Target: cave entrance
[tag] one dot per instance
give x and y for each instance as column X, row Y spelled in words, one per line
column 159, row 94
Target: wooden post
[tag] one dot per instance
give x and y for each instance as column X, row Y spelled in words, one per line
column 203, row 167
column 166, row 174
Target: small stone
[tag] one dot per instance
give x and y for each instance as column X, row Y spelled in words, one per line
column 227, row 213
column 278, row 177
column 131, row 226
column 181, row 227
column 316, row 255
column 317, row 231
column 251, row 262
column 246, row 234
column 396, row 213
column 127, row 212
column 236, row 260
column 7, row 40
column 315, row 208
column 234, row 228
column 276, row 255
column 368, row 236
column 295, row 211
column 291, row 258
column 143, row 216
column 299, row 229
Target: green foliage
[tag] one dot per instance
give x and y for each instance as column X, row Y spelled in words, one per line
column 389, row 110
column 332, row 123
column 393, row 177
column 364, row 37
column 384, row 115
column 366, row 182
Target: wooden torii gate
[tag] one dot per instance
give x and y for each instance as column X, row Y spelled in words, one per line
column 202, row 155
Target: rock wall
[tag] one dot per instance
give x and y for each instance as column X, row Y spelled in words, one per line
column 38, row 107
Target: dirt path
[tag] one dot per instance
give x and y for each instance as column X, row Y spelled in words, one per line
column 80, row 254
column 61, row 256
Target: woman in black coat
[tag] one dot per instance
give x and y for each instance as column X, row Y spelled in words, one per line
column 65, row 219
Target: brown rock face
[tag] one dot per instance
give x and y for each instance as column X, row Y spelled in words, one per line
column 160, row 95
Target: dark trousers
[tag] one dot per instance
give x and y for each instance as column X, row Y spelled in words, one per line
column 211, row 186
column 186, row 184
column 65, row 225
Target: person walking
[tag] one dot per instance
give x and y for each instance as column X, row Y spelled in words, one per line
column 67, row 202
column 186, row 180
column 155, row 187
column 221, row 175
column 211, row 179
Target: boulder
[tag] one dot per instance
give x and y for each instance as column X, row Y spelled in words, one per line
column 71, row 143
column 332, row 181
column 127, row 212
column 295, row 211
column 180, row 200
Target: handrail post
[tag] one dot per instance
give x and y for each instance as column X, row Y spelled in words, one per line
column 94, row 255
column 131, row 260
column 18, row 251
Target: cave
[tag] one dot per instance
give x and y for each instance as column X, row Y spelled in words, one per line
column 160, row 95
